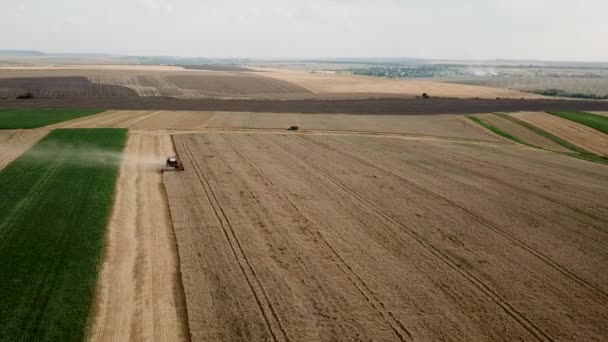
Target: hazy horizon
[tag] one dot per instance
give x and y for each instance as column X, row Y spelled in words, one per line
column 271, row 29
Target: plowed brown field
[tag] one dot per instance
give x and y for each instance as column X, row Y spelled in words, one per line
column 139, row 295
column 14, row 142
column 309, row 237
column 586, row 137
column 522, row 133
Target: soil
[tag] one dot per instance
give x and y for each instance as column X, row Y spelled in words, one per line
column 330, row 237
column 582, row 136
column 218, row 83
column 139, row 295
column 316, row 106
column 55, row 87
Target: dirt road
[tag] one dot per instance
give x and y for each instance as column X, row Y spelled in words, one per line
column 139, row 295
column 14, row 142
column 302, row 237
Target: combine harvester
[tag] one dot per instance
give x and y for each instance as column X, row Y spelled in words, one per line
column 173, row 164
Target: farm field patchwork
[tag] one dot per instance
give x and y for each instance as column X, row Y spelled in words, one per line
column 34, row 118
column 327, row 83
column 580, row 135
column 132, row 81
column 521, row 133
column 55, row 206
column 14, row 142
column 307, row 237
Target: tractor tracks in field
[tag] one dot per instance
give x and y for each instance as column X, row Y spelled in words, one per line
column 484, row 288
column 510, row 237
column 544, row 197
column 255, row 285
column 29, row 199
column 396, row 325
column 501, row 198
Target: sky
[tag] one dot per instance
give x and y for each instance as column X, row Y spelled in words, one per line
column 566, row 30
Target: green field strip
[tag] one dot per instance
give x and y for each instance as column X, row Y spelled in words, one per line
column 55, row 204
column 594, row 121
column 496, row 130
column 34, row 118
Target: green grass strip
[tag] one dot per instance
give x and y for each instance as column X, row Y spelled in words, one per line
column 55, row 204
column 34, row 118
column 590, row 157
column 496, row 130
column 594, row 121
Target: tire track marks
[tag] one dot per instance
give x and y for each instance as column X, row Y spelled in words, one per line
column 516, row 315
column 397, row 326
column 510, row 237
column 271, row 319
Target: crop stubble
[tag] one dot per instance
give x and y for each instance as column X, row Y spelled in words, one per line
column 335, row 237
column 139, row 292
column 14, row 142
column 440, row 125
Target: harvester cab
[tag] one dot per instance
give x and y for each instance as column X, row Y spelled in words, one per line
column 174, row 164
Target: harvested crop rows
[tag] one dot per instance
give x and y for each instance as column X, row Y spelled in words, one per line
column 582, row 136
column 308, row 237
column 140, row 296
column 14, row 142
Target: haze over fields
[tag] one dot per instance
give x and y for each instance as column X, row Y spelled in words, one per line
column 474, row 29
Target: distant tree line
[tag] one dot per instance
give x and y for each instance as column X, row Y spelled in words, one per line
column 562, row 93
